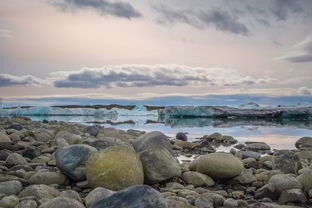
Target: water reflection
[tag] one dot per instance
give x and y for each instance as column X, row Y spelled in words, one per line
column 279, row 134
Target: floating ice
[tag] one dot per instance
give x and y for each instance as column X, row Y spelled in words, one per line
column 41, row 111
column 138, row 110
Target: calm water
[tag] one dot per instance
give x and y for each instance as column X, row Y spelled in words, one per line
column 278, row 134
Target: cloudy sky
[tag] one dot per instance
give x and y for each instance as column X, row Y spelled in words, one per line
column 145, row 49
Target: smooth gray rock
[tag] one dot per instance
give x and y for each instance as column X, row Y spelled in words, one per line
column 202, row 202
column 257, row 146
column 27, row 204
column 4, row 138
column 71, row 160
column 71, row 194
column 47, row 178
column 304, row 143
column 39, row 192
column 282, row 182
column 9, row 201
column 92, row 130
column 142, row 196
column 159, row 165
column 230, row 203
column 285, row 162
column 181, row 136
column 197, row 179
column 11, row 187
column 151, row 140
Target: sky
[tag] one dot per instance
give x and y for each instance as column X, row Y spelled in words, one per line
column 53, row 51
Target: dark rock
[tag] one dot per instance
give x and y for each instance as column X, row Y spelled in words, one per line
column 240, row 146
column 92, row 130
column 202, row 202
column 31, row 152
column 4, row 154
column 181, row 136
column 17, row 127
column 292, row 195
column 136, row 196
column 268, row 191
column 257, row 146
column 151, row 140
column 71, row 160
column 104, row 143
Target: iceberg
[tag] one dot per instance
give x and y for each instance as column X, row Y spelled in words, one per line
column 138, row 110
column 292, row 112
column 40, row 111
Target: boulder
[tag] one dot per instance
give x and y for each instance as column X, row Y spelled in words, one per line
column 43, row 135
column 202, row 202
column 282, row 182
column 304, row 143
column 151, row 140
column 197, row 179
column 69, row 137
column 27, row 204
column 219, row 165
column 142, row 196
column 178, row 202
column 246, row 177
column 64, row 202
column 105, row 142
column 115, row 168
column 71, row 160
column 159, row 165
column 9, row 201
column 303, row 159
column 284, row 162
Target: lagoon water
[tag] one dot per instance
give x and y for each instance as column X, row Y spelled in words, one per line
column 278, row 134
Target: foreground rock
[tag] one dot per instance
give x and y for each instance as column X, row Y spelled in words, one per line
column 59, row 202
column 135, row 196
column 115, row 168
column 151, row 140
column 159, row 165
column 71, row 160
column 219, row 165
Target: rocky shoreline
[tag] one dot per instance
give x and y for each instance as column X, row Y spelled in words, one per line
column 58, row 164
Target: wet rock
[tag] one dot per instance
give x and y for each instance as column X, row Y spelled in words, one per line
column 47, row 178
column 181, row 136
column 105, row 142
column 62, row 202
column 152, row 139
column 10, row 187
column 16, row 159
column 197, row 179
column 219, row 165
column 284, row 162
column 159, row 165
column 97, row 194
column 304, row 143
column 267, row 191
column 291, row 196
column 71, row 160
column 240, row 146
column 282, row 182
column 92, row 130
column 39, row 192
column 136, row 196
column 115, row 168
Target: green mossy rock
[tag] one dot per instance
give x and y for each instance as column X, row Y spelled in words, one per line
column 219, row 165
column 114, row 168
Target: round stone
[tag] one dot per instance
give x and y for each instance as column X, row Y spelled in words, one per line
column 115, row 168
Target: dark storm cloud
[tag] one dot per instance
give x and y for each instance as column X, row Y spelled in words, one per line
column 10, row 80
column 104, row 7
column 151, row 76
column 220, row 19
